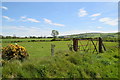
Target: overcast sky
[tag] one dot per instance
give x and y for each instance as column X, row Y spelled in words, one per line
column 40, row 18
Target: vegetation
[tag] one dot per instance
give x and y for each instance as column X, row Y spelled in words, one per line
column 41, row 49
column 92, row 35
column 65, row 65
column 54, row 34
column 14, row 52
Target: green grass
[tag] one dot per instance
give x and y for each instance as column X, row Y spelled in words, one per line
column 40, row 49
column 74, row 65
column 65, row 64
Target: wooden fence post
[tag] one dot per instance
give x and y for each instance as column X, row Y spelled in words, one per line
column 75, row 44
column 100, row 45
column 52, row 49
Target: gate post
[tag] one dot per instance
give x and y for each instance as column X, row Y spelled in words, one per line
column 52, row 49
column 75, row 44
column 100, row 45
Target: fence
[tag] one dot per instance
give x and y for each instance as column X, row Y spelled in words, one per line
column 89, row 45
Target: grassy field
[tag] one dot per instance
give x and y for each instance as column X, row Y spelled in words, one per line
column 40, row 49
column 65, row 64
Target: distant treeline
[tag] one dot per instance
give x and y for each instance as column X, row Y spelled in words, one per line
column 110, row 37
column 58, row 39
column 34, row 40
column 14, row 37
column 84, row 35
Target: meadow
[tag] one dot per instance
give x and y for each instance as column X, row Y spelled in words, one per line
column 65, row 63
column 41, row 49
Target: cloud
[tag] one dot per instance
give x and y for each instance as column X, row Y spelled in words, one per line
column 36, row 31
column 99, row 27
column 82, row 13
column 3, row 7
column 8, row 18
column 52, row 23
column 95, row 15
column 103, row 31
column 47, row 21
column 33, row 20
column 109, row 21
column 24, row 19
column 84, row 31
column 93, row 19
column 25, row 31
column 56, row 24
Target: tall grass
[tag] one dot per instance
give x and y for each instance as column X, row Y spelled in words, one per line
column 65, row 64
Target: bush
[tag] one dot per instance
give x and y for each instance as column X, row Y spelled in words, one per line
column 14, row 52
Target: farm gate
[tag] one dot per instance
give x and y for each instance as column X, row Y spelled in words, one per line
column 91, row 45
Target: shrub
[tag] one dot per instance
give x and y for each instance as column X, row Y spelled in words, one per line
column 14, row 52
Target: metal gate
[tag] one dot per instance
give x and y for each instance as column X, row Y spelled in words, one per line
column 91, row 45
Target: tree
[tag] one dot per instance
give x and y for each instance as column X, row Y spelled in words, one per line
column 54, row 34
column 14, row 36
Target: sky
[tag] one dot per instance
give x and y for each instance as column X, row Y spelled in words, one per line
column 60, row 0
column 40, row 18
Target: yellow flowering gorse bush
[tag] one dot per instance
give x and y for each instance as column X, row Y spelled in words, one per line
column 14, row 52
